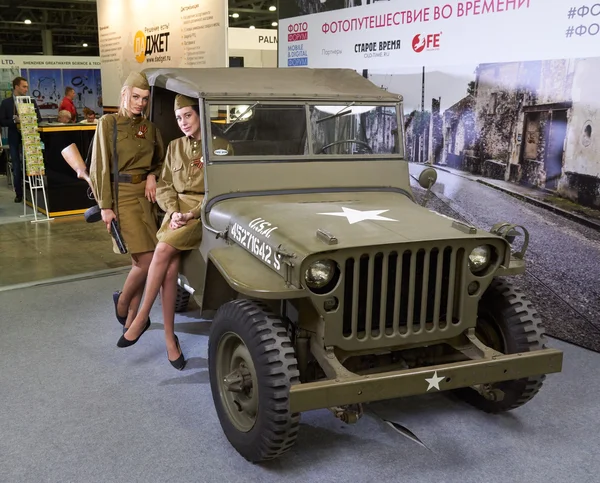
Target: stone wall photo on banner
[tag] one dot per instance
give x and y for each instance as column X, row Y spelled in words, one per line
column 529, row 122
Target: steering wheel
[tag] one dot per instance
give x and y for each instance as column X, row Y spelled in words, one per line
column 353, row 141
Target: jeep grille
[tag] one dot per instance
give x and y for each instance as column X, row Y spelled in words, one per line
column 401, row 292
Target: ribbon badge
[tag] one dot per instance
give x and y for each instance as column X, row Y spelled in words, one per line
column 198, row 162
column 142, row 132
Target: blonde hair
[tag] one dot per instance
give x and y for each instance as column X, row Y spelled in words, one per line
column 126, row 99
column 64, row 113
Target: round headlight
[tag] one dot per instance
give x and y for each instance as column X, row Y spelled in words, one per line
column 320, row 273
column 480, row 258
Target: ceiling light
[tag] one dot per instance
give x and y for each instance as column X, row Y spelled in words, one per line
column 251, row 27
column 272, row 8
column 235, row 15
column 85, row 45
column 28, row 22
column 274, row 24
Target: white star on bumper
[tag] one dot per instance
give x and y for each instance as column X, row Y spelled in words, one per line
column 356, row 216
column 434, row 382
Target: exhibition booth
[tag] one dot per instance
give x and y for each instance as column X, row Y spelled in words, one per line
column 358, row 308
column 48, row 76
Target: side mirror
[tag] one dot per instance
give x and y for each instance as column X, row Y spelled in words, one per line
column 427, row 178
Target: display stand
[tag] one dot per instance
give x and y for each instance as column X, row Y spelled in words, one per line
column 33, row 158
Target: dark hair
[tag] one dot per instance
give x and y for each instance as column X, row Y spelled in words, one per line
column 196, row 109
column 17, row 81
column 68, row 89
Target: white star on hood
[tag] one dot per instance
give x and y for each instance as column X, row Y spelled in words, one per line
column 434, row 381
column 356, row 216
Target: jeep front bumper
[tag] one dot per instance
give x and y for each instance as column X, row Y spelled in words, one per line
column 353, row 389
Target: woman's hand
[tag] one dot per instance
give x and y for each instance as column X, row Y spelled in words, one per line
column 151, row 188
column 180, row 219
column 107, row 217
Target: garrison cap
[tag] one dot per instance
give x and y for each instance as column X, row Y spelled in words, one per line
column 182, row 101
column 137, row 79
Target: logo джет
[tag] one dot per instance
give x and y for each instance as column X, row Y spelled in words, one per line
column 146, row 46
column 139, row 46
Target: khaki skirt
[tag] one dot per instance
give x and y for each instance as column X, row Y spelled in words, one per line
column 137, row 219
column 187, row 237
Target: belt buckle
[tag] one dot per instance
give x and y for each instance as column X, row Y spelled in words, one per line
column 136, row 178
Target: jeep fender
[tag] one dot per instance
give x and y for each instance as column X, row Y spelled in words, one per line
column 232, row 270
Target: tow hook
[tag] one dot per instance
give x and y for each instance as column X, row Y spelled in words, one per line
column 489, row 392
column 348, row 414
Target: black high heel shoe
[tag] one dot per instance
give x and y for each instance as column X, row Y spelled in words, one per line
column 123, row 342
column 125, row 328
column 122, row 320
column 180, row 362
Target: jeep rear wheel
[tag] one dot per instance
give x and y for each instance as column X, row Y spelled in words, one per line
column 508, row 323
column 252, row 366
column 182, row 300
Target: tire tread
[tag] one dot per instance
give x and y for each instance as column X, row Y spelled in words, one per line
column 278, row 369
column 527, row 333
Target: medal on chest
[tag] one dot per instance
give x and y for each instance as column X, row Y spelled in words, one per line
column 198, row 162
column 141, row 134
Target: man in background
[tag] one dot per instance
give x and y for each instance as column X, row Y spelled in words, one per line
column 9, row 118
column 67, row 103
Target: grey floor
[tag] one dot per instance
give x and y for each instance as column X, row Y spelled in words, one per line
column 11, row 212
column 75, row 408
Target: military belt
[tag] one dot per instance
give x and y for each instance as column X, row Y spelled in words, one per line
column 130, row 178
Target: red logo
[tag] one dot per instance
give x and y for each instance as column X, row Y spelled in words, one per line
column 421, row 42
column 298, row 32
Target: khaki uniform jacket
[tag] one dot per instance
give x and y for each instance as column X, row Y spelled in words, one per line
column 140, row 150
column 181, row 186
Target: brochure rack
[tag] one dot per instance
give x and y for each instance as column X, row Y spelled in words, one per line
column 33, row 158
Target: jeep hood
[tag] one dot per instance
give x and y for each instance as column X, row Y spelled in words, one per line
column 354, row 219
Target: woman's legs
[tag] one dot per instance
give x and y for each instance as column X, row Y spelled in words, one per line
column 156, row 274
column 131, row 295
column 168, row 296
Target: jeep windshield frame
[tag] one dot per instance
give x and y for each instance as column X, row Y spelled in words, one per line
column 212, row 127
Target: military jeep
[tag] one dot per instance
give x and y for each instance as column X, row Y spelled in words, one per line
column 328, row 284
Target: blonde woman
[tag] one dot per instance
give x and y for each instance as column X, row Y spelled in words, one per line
column 140, row 154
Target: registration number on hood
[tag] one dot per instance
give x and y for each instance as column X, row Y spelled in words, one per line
column 259, row 248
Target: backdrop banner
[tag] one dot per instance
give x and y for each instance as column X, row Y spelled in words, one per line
column 48, row 76
column 436, row 32
column 155, row 34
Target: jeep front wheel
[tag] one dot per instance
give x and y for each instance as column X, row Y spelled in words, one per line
column 252, row 366
column 508, row 323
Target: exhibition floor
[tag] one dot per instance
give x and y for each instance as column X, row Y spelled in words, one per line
column 63, row 247
column 10, row 212
column 77, row 408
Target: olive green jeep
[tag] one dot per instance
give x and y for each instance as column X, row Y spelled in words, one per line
column 328, row 285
